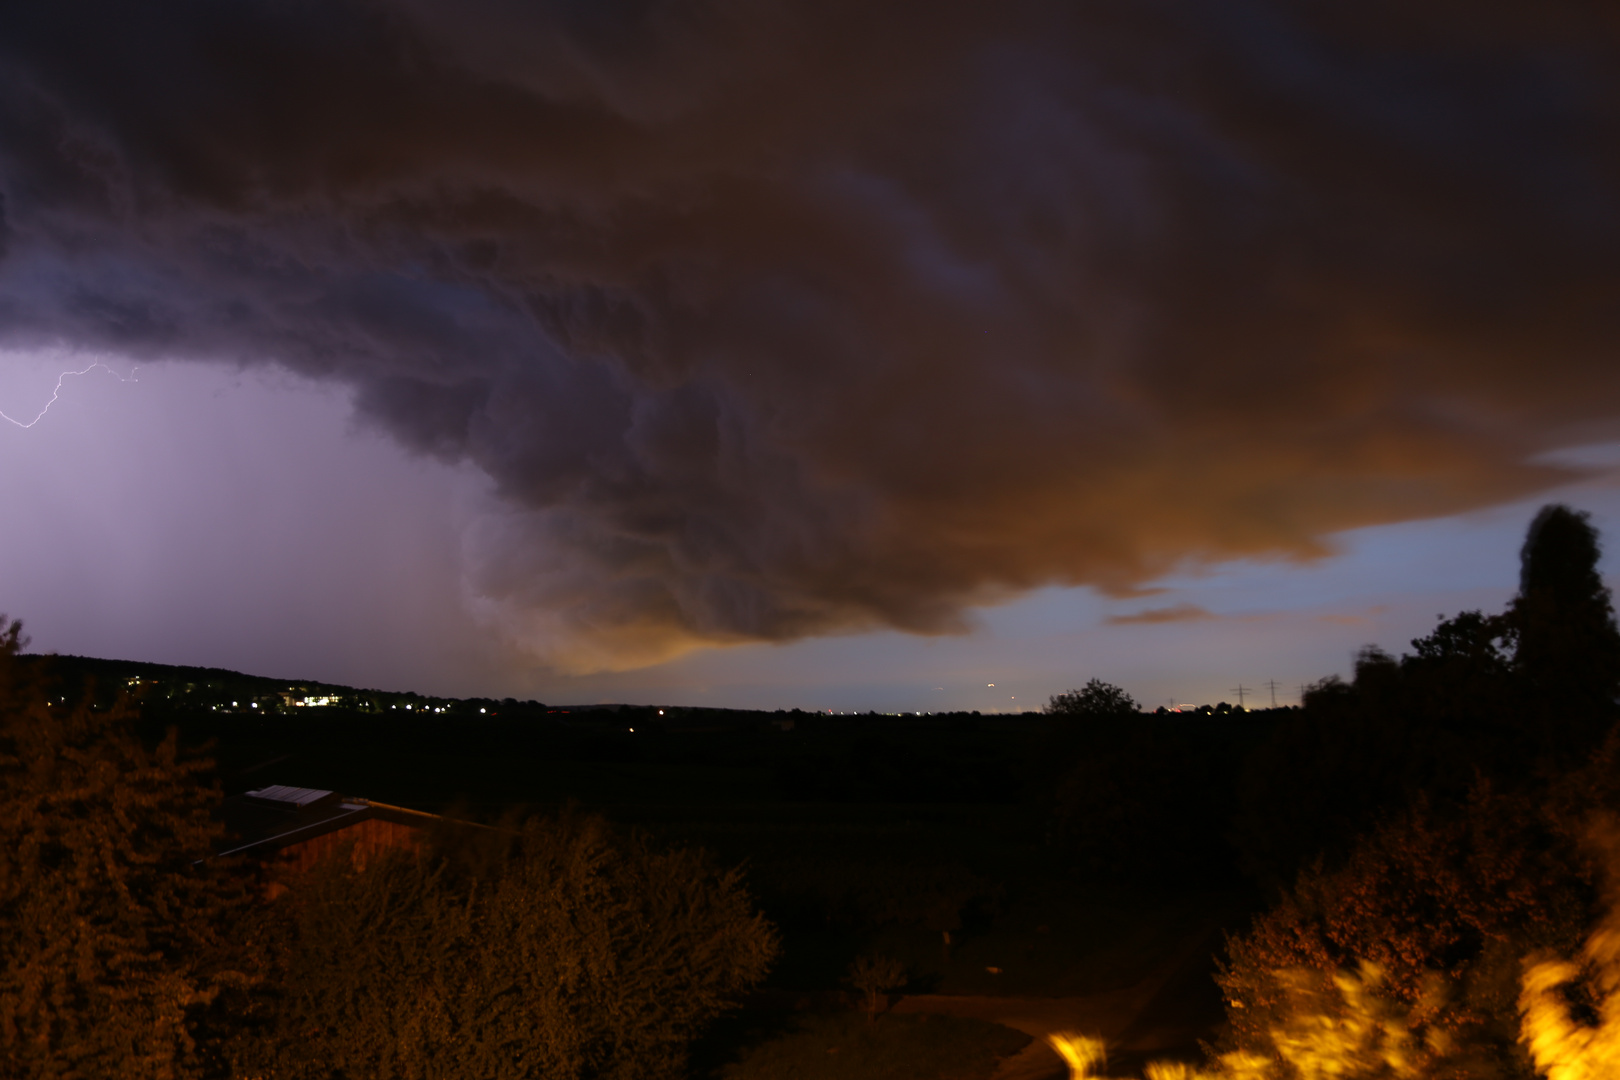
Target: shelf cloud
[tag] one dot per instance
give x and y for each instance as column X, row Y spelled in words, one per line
column 771, row 319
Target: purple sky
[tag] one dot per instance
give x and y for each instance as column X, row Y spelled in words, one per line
column 202, row 515
column 792, row 354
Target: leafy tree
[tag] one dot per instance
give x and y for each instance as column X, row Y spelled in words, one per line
column 558, row 950
column 1096, row 698
column 116, row 946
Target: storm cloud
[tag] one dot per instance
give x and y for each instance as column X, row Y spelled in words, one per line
column 771, row 319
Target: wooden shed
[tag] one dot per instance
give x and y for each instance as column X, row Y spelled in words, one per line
column 290, row 829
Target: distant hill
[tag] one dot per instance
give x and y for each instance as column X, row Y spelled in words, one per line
column 222, row 690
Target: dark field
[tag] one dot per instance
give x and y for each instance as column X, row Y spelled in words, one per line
column 858, row 833
column 872, row 834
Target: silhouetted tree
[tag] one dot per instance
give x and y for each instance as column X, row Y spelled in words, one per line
column 115, row 932
column 1494, row 695
column 1566, row 648
column 1095, row 699
column 1327, row 772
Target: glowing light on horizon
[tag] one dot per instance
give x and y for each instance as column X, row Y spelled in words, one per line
column 57, row 392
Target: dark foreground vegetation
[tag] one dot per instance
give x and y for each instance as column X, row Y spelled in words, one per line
column 636, row 893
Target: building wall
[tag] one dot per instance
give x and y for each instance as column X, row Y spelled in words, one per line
column 370, row 838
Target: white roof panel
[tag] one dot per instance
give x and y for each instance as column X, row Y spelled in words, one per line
column 295, row 798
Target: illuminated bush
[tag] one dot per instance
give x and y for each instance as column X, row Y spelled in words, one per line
column 562, row 951
column 1308, row 1023
column 1343, row 1027
column 1461, row 896
column 1564, row 1045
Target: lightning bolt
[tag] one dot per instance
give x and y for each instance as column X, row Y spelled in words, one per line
column 56, row 393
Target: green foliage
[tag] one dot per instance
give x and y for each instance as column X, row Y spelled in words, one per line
column 1096, row 699
column 898, row 1047
column 117, row 944
column 874, row 976
column 560, row 950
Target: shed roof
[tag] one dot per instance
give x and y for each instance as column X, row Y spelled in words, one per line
column 291, row 798
column 263, row 821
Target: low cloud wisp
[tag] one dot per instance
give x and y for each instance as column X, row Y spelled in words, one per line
column 1176, row 613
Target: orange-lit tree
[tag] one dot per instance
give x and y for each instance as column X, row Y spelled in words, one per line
column 115, row 933
column 1460, row 895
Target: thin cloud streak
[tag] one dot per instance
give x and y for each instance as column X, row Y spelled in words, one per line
column 1177, row 613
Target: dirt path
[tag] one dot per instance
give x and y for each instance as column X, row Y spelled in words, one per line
column 1161, row 1016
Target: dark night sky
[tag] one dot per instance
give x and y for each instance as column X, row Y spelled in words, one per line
column 497, row 344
